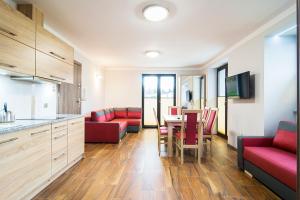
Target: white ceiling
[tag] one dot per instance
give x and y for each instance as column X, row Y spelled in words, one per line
column 113, row 33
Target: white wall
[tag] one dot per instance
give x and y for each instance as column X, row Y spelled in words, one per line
column 28, row 100
column 280, row 81
column 124, row 87
column 246, row 117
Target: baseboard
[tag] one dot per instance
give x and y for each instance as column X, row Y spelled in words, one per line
column 231, row 147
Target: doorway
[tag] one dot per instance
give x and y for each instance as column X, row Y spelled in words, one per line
column 69, row 99
column 202, row 92
column 222, row 74
column 158, row 92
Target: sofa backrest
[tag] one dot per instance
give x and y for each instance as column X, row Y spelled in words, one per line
column 98, row 116
column 120, row 112
column 109, row 114
column 134, row 113
column 286, row 136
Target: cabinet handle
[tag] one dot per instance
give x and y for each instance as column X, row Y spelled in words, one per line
column 56, row 55
column 57, row 77
column 56, row 127
column 39, row 132
column 8, row 32
column 57, row 137
column 7, row 65
column 9, row 140
column 73, row 123
column 58, row 157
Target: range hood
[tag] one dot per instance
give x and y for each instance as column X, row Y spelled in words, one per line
column 33, row 79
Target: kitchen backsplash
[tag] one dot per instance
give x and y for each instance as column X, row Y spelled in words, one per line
column 28, row 100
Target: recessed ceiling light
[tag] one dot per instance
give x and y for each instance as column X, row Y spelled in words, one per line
column 152, row 54
column 155, row 13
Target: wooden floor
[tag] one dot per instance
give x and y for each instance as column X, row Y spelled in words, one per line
column 133, row 170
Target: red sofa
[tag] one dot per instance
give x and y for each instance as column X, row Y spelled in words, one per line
column 111, row 125
column 272, row 160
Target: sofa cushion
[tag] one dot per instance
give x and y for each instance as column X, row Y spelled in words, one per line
column 112, row 113
column 286, row 137
column 109, row 114
column 280, row 164
column 120, row 112
column 133, row 122
column 122, row 122
column 134, row 113
column 98, row 116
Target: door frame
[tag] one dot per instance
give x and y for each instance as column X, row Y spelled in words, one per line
column 203, row 77
column 225, row 66
column 158, row 96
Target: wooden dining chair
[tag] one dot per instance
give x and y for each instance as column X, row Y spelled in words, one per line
column 190, row 135
column 174, row 110
column 162, row 133
column 205, row 115
column 209, row 126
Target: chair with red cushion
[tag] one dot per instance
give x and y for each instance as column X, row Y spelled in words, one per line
column 190, row 131
column 205, row 114
column 209, row 125
column 174, row 110
column 162, row 133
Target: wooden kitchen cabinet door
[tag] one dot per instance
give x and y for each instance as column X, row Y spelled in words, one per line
column 52, row 68
column 15, row 25
column 16, row 57
column 51, row 45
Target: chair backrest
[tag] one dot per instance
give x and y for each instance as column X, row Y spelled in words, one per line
column 212, row 117
column 156, row 120
column 191, row 126
column 205, row 113
column 174, row 110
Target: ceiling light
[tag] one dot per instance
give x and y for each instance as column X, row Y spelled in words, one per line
column 155, row 13
column 152, row 54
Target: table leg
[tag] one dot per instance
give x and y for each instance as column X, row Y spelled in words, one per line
column 170, row 140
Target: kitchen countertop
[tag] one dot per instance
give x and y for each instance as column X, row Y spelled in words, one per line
column 22, row 124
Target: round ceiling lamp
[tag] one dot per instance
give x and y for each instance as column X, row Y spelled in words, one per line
column 152, row 54
column 155, row 13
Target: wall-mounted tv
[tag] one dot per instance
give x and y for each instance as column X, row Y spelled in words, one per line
column 189, row 95
column 238, row 86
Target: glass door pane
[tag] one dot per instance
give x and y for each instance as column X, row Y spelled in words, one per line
column 202, row 93
column 167, row 95
column 196, row 93
column 150, row 99
column 221, row 102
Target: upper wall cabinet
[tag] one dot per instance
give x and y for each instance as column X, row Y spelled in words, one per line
column 48, row 43
column 15, row 25
column 16, row 57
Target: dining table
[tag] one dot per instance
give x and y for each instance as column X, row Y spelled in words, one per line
column 171, row 122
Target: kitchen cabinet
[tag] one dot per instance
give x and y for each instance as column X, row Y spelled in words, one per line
column 59, row 146
column 25, row 161
column 75, row 139
column 16, row 26
column 51, row 45
column 16, row 57
column 52, row 68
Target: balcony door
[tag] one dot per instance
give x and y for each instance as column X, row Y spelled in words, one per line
column 202, row 92
column 158, row 92
column 222, row 101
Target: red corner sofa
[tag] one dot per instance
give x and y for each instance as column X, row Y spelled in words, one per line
column 272, row 160
column 111, row 125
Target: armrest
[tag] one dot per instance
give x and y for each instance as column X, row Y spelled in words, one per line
column 102, row 131
column 250, row 141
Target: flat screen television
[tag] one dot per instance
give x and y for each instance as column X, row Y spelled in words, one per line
column 238, row 86
column 189, row 95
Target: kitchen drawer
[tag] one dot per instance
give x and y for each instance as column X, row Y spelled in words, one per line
column 52, row 68
column 17, row 26
column 75, row 124
column 59, row 161
column 59, row 126
column 59, row 141
column 16, row 57
column 50, row 44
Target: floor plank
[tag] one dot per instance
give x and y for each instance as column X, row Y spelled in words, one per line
column 133, row 170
